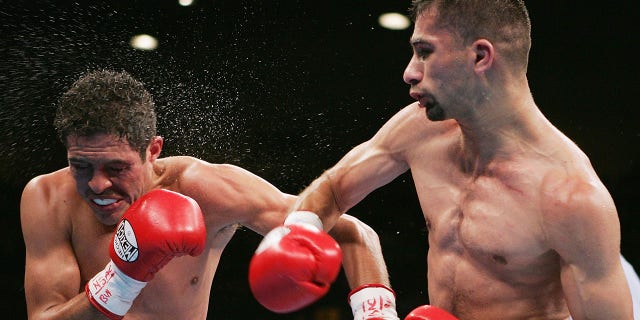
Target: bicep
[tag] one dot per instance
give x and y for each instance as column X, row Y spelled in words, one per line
column 52, row 275
column 382, row 158
column 232, row 195
column 361, row 171
column 584, row 230
column 51, row 279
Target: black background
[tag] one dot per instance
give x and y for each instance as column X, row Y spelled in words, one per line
column 284, row 89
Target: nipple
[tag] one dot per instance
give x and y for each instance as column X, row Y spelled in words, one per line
column 499, row 259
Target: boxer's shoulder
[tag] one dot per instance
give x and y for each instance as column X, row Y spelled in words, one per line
column 218, row 188
column 53, row 189
column 189, row 175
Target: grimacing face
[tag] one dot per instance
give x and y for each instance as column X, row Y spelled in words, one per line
column 108, row 173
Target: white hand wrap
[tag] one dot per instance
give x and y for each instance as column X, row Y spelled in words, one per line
column 112, row 292
column 304, row 217
column 373, row 301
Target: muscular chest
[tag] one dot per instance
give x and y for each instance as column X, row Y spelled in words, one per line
column 490, row 220
column 499, row 222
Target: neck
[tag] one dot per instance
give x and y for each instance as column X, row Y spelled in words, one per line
column 498, row 128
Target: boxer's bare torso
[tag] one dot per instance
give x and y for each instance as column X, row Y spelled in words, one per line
column 520, row 226
column 181, row 289
column 490, row 252
column 178, row 291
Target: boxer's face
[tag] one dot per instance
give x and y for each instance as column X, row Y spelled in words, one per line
column 437, row 71
column 109, row 174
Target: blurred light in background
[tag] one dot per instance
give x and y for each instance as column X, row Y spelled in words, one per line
column 394, row 21
column 185, row 3
column 144, row 42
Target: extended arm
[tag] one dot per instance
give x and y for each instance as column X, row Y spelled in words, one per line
column 239, row 196
column 365, row 168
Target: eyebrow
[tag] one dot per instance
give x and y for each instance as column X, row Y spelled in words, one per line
column 108, row 161
column 418, row 41
column 76, row 159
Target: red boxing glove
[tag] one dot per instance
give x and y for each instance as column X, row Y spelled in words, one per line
column 156, row 228
column 295, row 264
column 161, row 225
column 428, row 312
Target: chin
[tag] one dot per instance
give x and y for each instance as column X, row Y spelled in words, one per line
column 435, row 113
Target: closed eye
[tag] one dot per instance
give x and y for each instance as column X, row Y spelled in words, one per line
column 116, row 170
column 79, row 166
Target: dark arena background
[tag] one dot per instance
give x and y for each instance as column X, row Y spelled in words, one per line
column 284, row 89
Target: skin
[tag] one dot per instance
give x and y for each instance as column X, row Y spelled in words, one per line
column 67, row 232
column 520, row 226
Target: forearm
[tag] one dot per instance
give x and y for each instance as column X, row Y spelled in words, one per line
column 611, row 304
column 320, row 198
column 607, row 297
column 364, row 169
column 363, row 262
column 371, row 296
column 614, row 301
column 78, row 308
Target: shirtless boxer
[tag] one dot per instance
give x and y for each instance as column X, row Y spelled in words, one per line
column 520, row 226
column 74, row 270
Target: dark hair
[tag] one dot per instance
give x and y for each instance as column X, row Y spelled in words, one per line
column 503, row 22
column 107, row 102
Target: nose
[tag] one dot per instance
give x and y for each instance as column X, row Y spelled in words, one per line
column 412, row 73
column 99, row 182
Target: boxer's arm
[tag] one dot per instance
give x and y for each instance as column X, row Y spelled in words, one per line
column 362, row 258
column 362, row 170
column 230, row 195
column 52, row 275
column 371, row 296
column 582, row 226
column 241, row 197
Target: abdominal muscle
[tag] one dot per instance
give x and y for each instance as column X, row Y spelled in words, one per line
column 471, row 291
column 182, row 288
column 179, row 291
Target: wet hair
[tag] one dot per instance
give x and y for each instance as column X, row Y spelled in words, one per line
column 107, row 102
column 503, row 22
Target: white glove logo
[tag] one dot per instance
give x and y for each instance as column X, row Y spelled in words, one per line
column 124, row 243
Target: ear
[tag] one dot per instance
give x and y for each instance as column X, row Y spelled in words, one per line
column 155, row 147
column 485, row 53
